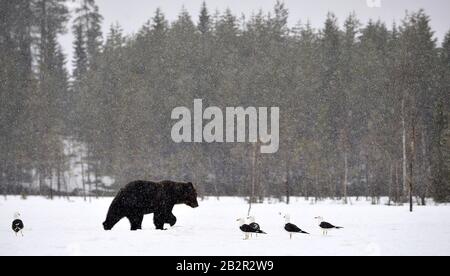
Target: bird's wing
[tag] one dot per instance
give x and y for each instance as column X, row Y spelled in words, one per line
column 327, row 225
column 255, row 226
column 292, row 228
column 247, row 228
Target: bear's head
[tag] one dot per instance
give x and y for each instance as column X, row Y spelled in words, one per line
column 190, row 195
column 107, row 226
column 110, row 221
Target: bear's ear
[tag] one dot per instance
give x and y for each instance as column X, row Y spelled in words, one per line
column 191, row 185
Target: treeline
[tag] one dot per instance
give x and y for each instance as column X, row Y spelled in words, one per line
column 34, row 93
column 364, row 108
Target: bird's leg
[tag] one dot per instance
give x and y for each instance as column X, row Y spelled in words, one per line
column 21, row 232
column 290, row 235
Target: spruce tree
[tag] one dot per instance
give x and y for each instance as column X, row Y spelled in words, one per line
column 204, row 23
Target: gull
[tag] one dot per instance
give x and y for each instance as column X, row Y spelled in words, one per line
column 326, row 226
column 292, row 228
column 17, row 225
column 252, row 223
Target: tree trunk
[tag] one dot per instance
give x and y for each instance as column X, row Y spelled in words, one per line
column 345, row 177
column 254, row 171
column 317, row 185
column 368, row 183
column 96, row 181
column 287, row 184
column 411, row 167
column 83, row 180
column 405, row 183
column 2, row 180
column 40, row 181
column 51, row 184
column 425, row 167
column 59, row 178
column 89, row 181
column 88, row 172
column 306, row 191
column 288, row 192
column 391, row 183
column 397, row 184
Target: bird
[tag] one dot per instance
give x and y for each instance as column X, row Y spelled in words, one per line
column 17, row 225
column 292, row 228
column 326, row 226
column 247, row 229
column 252, row 223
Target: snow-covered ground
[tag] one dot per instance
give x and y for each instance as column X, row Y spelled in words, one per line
column 61, row 227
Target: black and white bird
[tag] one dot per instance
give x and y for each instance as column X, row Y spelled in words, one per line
column 17, row 225
column 252, row 223
column 292, row 228
column 326, row 226
column 247, row 229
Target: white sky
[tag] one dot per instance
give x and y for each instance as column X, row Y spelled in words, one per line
column 132, row 14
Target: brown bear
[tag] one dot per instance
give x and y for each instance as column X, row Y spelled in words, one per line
column 141, row 198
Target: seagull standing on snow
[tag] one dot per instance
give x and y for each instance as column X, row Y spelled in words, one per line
column 292, row 228
column 325, row 226
column 252, row 223
column 247, row 229
column 17, row 225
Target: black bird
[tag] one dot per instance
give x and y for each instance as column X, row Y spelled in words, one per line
column 326, row 226
column 17, row 225
column 255, row 226
column 292, row 228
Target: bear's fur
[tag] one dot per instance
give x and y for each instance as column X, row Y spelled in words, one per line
column 141, row 198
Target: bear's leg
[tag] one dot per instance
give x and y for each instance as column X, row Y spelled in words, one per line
column 158, row 220
column 136, row 222
column 171, row 219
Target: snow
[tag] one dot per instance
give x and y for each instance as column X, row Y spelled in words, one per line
column 62, row 227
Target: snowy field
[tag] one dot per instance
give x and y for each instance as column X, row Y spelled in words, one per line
column 61, row 227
